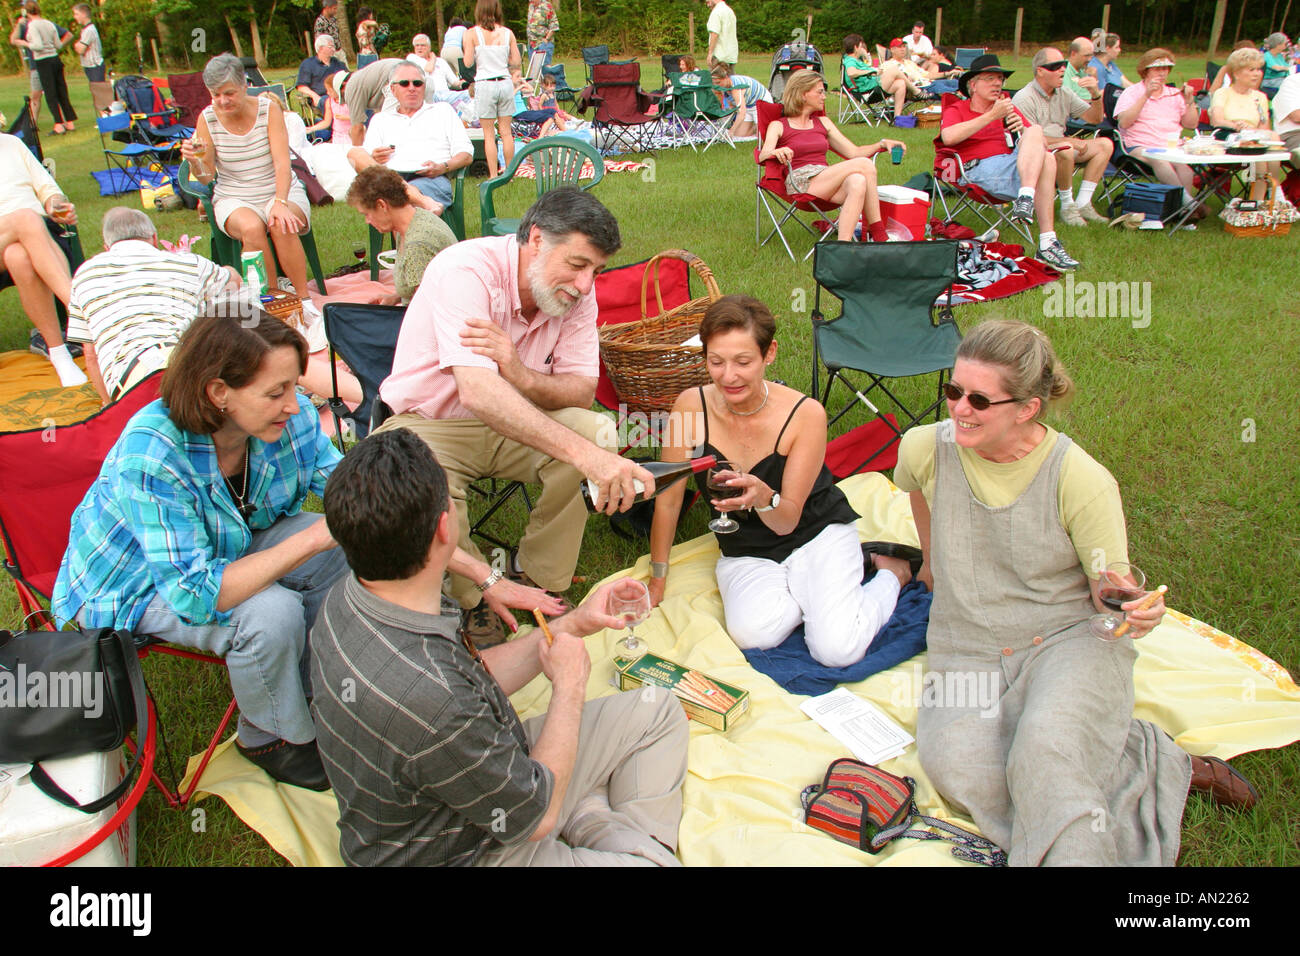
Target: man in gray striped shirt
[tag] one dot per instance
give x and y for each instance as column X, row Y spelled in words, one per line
column 428, row 760
column 130, row 304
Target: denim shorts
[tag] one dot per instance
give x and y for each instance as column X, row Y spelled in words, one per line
column 996, row 175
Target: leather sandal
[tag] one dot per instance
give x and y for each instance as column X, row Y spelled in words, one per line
column 893, row 549
column 1224, row 785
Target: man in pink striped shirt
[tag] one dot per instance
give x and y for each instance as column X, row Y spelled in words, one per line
column 496, row 369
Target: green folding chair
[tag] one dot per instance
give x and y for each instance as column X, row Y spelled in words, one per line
column 557, row 161
column 890, row 325
column 227, row 251
column 695, row 101
column 453, row 215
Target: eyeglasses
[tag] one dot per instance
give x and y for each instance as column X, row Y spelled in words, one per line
column 954, row 393
column 415, row 83
column 1054, row 66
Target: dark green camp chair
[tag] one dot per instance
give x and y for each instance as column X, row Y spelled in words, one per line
column 695, row 101
column 888, row 326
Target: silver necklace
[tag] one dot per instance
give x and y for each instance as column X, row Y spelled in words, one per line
column 761, row 405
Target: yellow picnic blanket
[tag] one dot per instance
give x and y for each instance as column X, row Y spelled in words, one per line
column 31, row 396
column 1213, row 693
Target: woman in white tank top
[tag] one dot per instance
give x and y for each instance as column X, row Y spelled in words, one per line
column 491, row 48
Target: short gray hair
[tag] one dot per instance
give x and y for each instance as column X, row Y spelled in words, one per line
column 392, row 77
column 561, row 212
column 421, row 38
column 123, row 222
column 322, row 39
column 1274, row 39
column 223, row 69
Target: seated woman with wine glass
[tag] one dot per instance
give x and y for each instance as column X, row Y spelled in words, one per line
column 1024, row 542
column 793, row 556
column 803, row 136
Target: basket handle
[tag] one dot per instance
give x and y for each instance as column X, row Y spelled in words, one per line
column 692, row 260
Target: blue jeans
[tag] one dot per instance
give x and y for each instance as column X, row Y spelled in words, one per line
column 437, row 188
column 265, row 641
column 547, row 48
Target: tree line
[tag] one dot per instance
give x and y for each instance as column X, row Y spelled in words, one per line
column 188, row 32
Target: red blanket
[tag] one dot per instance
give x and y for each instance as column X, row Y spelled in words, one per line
column 1034, row 272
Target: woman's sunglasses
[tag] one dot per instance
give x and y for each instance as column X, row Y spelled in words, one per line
column 977, row 401
column 408, row 82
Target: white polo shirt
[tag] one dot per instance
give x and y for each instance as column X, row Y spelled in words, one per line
column 433, row 134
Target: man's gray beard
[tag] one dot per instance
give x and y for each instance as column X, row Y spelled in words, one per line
column 547, row 301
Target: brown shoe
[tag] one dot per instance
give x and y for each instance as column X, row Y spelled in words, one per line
column 483, row 626
column 1225, row 786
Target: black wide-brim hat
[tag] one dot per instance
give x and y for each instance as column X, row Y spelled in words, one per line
column 987, row 63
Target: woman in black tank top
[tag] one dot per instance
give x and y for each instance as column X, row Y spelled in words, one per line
column 796, row 558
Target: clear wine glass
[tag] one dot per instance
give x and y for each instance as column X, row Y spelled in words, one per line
column 60, row 212
column 1120, row 583
column 718, row 488
column 630, row 601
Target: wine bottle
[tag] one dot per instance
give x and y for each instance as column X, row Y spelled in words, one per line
column 666, row 474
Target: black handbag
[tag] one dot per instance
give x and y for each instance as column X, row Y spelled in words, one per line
column 67, row 693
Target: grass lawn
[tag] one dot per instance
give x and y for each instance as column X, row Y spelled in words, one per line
column 1190, row 413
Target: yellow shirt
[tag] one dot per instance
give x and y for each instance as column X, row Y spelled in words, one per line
column 24, row 182
column 1249, row 107
column 1088, row 500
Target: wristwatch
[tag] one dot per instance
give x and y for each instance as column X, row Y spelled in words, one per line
column 496, row 575
column 658, row 569
column 776, row 500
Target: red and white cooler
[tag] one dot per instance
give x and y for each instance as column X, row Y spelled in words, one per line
column 904, row 211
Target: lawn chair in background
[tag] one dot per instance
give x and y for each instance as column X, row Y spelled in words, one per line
column 952, row 197
column 622, row 107
column 594, row 56
column 189, row 96
column 888, row 327
column 564, row 93
column 964, row 56
column 781, row 207
column 871, row 107
column 556, row 161
column 696, row 104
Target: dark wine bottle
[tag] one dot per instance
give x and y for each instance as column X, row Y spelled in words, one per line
column 666, row 474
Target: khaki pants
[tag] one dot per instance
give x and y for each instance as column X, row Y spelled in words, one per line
column 469, row 450
column 632, row 748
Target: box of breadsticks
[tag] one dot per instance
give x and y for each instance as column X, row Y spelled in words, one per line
column 704, row 698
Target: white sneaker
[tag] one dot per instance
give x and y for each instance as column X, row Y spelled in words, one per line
column 1090, row 214
column 1070, row 215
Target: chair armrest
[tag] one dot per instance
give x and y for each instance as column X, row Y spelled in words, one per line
column 454, row 214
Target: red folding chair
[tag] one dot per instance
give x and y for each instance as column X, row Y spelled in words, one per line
column 44, row 475
column 623, row 109
column 781, row 207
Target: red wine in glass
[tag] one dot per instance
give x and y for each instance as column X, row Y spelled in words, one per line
column 1116, row 597
column 716, row 485
column 1119, row 583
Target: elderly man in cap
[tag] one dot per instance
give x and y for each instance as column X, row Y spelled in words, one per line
column 314, row 69
column 1047, row 103
column 1003, row 153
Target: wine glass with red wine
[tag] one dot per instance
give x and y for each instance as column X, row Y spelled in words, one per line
column 719, row 490
column 1120, row 583
column 630, row 602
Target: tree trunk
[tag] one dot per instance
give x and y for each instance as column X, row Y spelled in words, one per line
column 1241, row 12
column 259, row 55
column 164, row 35
column 440, row 23
column 1272, row 17
column 345, row 33
column 234, row 37
column 1286, row 11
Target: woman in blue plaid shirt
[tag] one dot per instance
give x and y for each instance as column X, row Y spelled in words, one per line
column 194, row 531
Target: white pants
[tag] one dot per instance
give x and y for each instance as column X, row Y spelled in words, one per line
column 820, row 585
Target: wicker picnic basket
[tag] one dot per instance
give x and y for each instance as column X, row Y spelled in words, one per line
column 286, row 307
column 1274, row 221
column 646, row 361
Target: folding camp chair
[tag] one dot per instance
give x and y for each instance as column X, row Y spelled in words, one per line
column 781, row 207
column 153, row 123
column 557, row 161
column 453, row 214
column 964, row 56
column 564, row 93
column 669, row 63
column 594, row 56
column 225, row 251
column 949, row 194
column 1124, row 167
column 252, row 72
column 887, row 327
column 696, row 104
column 365, row 337
column 189, row 96
column 622, row 107
column 41, row 483
column 135, row 165
column 871, row 107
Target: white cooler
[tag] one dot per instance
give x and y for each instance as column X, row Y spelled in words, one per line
column 35, row 829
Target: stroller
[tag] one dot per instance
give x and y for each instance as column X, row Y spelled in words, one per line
column 793, row 56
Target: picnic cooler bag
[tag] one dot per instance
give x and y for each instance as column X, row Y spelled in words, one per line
column 1154, row 200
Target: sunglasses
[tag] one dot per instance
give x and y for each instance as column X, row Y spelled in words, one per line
column 415, row 83
column 979, row 402
column 1054, row 65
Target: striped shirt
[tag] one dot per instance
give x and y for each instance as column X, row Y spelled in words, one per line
column 427, row 758
column 160, row 521
column 134, row 298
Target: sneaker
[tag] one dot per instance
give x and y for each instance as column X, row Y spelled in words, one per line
column 36, row 345
column 988, row 235
column 1054, row 254
column 1088, row 213
column 482, row 626
column 1070, row 215
column 1022, row 209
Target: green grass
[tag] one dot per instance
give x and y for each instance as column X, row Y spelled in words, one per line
column 1209, row 513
